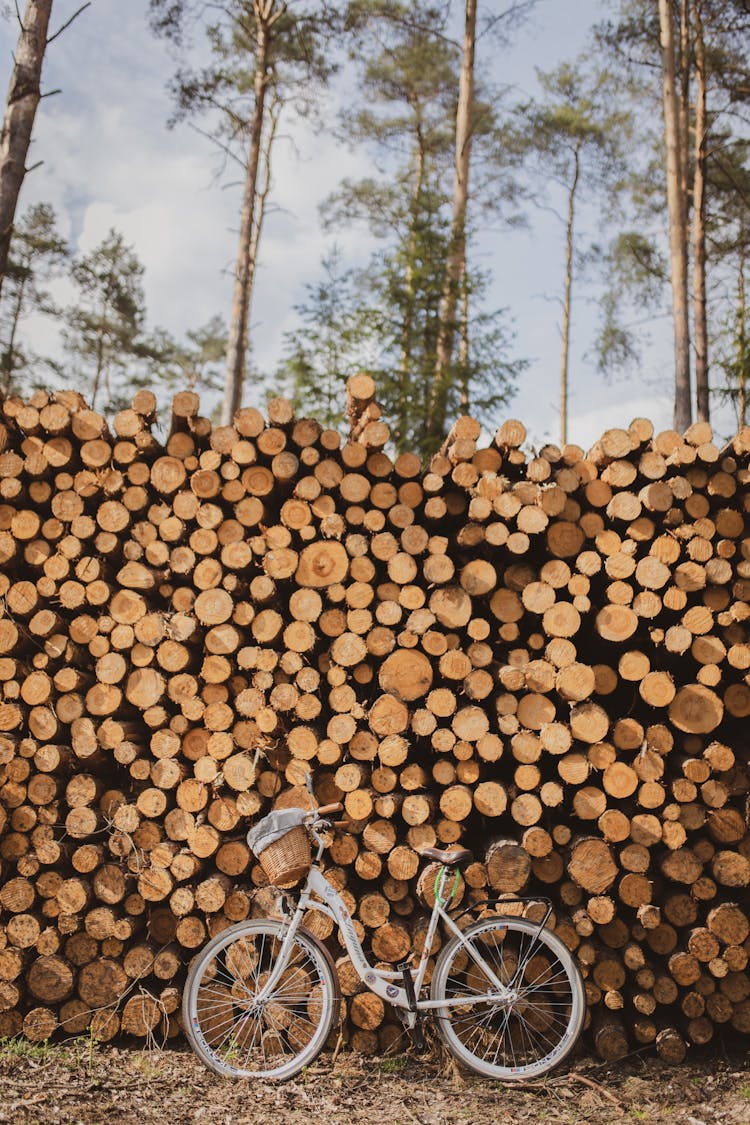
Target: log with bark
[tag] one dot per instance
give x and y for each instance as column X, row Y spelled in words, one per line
column 542, row 658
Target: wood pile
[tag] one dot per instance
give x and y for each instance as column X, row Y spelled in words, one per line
column 541, row 656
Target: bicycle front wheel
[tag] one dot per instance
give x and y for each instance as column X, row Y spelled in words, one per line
column 535, row 1025
column 238, row 1030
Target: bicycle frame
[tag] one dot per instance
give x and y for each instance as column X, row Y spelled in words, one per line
column 381, row 981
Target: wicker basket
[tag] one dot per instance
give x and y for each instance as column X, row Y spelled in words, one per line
column 288, row 859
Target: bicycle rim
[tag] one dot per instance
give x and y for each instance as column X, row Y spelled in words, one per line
column 238, row 1035
column 533, row 1030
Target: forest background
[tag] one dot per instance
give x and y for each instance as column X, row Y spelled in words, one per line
column 122, row 263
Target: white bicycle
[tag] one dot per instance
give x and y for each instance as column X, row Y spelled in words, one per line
column 262, row 997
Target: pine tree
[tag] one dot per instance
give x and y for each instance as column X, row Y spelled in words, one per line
column 728, row 242
column 576, row 139
column 104, row 332
column 264, row 54
column 698, row 72
column 193, row 364
column 455, row 275
column 672, row 33
column 335, row 339
column 21, row 105
column 37, row 254
column 405, row 118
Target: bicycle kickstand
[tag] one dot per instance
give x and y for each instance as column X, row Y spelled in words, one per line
column 410, row 1018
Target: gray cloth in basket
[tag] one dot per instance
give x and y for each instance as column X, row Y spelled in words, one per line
column 272, row 827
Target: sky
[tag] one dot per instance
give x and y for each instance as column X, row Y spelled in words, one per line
column 109, row 160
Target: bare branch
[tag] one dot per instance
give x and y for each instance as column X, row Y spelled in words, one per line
column 219, row 144
column 410, row 24
column 274, row 113
column 67, row 23
column 516, row 11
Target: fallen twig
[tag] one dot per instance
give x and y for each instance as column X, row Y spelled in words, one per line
column 337, row 1049
column 595, row 1086
column 25, row 1102
column 548, row 1085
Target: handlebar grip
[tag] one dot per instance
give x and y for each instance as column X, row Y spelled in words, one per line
column 342, row 824
column 324, row 810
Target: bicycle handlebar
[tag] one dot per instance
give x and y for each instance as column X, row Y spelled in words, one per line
column 324, row 810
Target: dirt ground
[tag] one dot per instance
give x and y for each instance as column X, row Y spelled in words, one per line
column 79, row 1084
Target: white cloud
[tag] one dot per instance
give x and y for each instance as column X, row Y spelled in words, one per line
column 588, row 425
column 110, row 161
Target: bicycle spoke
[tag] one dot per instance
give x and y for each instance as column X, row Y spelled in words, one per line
column 523, row 1029
column 257, row 1016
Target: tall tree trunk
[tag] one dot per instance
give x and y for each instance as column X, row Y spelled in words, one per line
column 404, row 365
column 742, row 348
column 265, row 16
column 700, row 328
column 684, row 105
column 463, row 347
column 566, row 299
column 457, row 249
column 100, row 363
column 677, row 223
column 20, row 110
column 261, row 199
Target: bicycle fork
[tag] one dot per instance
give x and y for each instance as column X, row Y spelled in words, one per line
column 289, row 929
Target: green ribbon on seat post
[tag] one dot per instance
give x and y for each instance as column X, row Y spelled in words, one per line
column 454, row 888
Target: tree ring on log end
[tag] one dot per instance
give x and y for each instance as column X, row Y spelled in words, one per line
column 388, row 715
column 322, row 564
column 616, row 623
column 696, row 709
column 407, row 674
column 592, row 867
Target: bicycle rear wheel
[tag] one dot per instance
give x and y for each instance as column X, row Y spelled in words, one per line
column 536, row 1026
column 239, row 1035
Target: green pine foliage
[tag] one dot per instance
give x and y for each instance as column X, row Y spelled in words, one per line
column 104, row 332
column 38, row 254
column 384, row 318
column 590, row 146
column 299, row 63
column 193, row 364
column 728, row 237
column 637, row 293
column 577, row 136
column 332, row 342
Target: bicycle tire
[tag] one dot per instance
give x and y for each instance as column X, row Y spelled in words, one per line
column 531, row 1033
column 230, row 1032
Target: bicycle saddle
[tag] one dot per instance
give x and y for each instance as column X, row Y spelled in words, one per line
column 458, row 858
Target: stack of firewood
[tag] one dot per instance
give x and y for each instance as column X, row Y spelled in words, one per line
column 541, row 657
